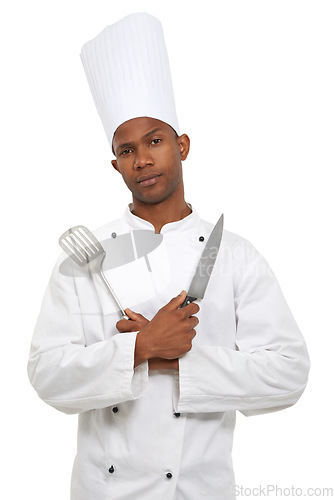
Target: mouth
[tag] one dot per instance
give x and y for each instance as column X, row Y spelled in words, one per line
column 148, row 180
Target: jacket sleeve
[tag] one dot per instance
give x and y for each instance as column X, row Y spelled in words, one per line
column 267, row 370
column 69, row 375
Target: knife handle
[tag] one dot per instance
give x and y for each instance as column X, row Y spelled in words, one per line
column 187, row 301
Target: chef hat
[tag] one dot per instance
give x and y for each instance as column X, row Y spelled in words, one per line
column 128, row 73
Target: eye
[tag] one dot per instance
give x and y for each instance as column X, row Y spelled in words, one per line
column 156, row 141
column 125, row 152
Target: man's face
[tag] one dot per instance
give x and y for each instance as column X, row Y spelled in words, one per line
column 148, row 156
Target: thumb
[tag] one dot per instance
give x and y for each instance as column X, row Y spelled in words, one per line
column 132, row 315
column 176, row 301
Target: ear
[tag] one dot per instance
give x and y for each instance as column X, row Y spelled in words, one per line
column 184, row 145
column 114, row 164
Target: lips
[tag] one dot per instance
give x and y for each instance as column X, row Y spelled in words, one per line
column 148, row 180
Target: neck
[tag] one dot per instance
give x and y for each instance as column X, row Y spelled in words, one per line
column 161, row 213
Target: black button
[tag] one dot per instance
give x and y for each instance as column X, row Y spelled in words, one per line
column 115, row 409
column 112, row 469
column 201, row 238
column 113, row 235
column 177, row 415
column 169, row 475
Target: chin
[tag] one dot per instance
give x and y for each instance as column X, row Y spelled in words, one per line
column 150, row 199
column 154, row 195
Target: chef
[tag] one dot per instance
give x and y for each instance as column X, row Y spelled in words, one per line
column 156, row 395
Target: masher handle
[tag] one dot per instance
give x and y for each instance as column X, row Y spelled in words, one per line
column 111, row 292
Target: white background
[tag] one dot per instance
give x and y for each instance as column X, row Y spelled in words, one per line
column 253, row 84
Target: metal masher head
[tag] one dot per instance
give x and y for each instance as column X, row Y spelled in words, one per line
column 81, row 245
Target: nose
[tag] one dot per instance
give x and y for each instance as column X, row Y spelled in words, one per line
column 143, row 158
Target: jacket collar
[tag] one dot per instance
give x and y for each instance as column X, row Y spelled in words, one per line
column 190, row 222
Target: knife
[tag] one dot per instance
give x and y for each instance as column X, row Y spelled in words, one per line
column 205, row 264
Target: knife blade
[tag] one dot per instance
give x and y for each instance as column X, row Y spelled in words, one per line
column 205, row 264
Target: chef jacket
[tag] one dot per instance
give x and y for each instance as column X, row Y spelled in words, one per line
column 165, row 434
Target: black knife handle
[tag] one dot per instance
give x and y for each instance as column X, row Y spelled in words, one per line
column 187, row 301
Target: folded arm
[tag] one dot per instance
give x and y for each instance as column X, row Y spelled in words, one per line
column 68, row 374
column 269, row 366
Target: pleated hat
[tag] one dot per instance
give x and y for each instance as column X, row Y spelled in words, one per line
column 128, row 73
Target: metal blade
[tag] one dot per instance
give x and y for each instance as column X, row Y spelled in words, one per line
column 206, row 262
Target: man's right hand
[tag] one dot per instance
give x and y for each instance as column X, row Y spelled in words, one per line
column 170, row 333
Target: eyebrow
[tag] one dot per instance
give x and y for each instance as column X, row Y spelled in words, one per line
column 127, row 144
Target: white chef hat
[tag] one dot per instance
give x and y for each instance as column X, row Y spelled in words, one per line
column 128, row 73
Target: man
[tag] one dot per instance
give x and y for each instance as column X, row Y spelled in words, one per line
column 149, row 155
column 157, row 394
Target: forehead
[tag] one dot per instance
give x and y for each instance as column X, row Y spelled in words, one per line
column 136, row 128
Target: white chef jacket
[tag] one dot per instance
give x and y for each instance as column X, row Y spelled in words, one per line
column 165, row 434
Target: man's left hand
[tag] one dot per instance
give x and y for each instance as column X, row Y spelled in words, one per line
column 136, row 323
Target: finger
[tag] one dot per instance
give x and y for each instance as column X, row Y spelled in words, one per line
column 193, row 321
column 176, row 301
column 191, row 309
column 190, row 337
column 132, row 315
column 192, row 333
column 125, row 325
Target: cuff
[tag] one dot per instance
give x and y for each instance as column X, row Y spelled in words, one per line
column 135, row 380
